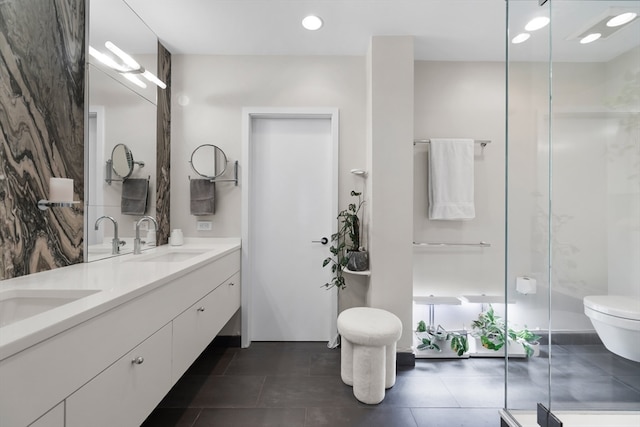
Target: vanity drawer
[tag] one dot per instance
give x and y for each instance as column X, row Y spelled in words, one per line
column 194, row 329
column 127, row 391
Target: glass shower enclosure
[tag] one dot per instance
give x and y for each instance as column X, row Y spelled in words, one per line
column 573, row 207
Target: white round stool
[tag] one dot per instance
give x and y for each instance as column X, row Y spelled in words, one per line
column 368, row 351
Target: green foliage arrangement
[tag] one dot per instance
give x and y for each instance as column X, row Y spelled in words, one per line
column 429, row 339
column 346, row 239
column 494, row 334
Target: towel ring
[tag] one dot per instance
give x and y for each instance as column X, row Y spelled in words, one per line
column 210, row 162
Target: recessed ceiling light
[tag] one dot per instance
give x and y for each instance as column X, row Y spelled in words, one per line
column 312, row 23
column 537, row 23
column 522, row 37
column 590, row 38
column 621, row 19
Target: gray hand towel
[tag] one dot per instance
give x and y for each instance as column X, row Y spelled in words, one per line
column 134, row 196
column 203, row 197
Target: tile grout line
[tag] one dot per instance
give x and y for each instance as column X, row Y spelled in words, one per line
column 195, row 421
column 264, row 381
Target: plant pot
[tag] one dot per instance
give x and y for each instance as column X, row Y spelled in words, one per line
column 536, row 349
column 477, row 350
column 358, row 261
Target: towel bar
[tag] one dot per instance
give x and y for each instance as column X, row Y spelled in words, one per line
column 481, row 244
column 482, row 142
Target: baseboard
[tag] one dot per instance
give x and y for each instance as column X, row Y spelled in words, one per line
column 227, row 341
column 405, row 359
column 571, row 338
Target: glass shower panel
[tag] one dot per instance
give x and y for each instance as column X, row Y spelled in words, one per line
column 595, row 203
column 528, row 201
column 573, row 206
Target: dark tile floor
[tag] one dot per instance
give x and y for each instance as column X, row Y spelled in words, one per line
column 299, row 385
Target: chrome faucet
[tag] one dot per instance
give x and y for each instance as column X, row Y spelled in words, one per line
column 115, row 242
column 137, row 244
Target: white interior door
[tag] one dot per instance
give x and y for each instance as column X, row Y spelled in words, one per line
column 292, row 200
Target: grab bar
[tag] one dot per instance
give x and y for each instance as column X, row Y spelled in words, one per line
column 481, row 244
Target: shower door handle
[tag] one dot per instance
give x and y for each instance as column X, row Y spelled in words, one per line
column 324, row 241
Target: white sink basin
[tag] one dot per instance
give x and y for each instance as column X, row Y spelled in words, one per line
column 177, row 256
column 18, row 304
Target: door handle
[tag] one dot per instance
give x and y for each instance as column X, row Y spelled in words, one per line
column 324, row 241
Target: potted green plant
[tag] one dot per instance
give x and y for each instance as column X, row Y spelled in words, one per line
column 346, row 250
column 493, row 334
column 439, row 339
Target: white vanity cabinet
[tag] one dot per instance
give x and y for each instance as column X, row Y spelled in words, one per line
column 127, row 391
column 113, row 368
column 192, row 330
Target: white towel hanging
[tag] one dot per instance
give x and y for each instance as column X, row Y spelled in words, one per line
column 451, row 181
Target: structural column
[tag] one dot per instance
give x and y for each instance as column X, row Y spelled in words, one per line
column 390, row 66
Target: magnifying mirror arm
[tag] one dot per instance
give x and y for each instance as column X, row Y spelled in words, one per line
column 214, row 179
column 109, row 171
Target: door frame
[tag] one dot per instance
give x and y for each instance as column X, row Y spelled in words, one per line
column 248, row 115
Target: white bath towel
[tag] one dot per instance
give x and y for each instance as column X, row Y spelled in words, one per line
column 451, row 179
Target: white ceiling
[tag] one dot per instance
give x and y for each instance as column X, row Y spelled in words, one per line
column 444, row 30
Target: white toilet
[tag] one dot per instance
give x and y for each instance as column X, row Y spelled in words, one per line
column 617, row 321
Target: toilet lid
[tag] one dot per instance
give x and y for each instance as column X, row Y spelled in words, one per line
column 614, row 305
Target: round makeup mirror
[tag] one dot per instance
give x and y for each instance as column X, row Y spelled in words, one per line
column 122, row 161
column 208, row 161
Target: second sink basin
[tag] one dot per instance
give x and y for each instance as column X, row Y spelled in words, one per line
column 18, row 304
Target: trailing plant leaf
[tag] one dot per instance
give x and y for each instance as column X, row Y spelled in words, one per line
column 422, row 327
column 428, row 344
column 494, row 334
column 459, row 343
column 346, row 239
column 458, row 340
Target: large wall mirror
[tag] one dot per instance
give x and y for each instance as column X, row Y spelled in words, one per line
column 121, row 142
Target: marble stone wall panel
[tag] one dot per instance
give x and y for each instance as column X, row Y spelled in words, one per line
column 42, row 76
column 163, row 200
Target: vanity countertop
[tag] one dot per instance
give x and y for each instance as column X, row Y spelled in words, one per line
column 116, row 280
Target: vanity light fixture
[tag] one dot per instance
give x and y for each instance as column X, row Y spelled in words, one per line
column 106, row 60
column 312, row 22
column 590, row 38
column 623, row 18
column 520, row 38
column 124, row 56
column 537, row 23
column 134, row 79
column 130, row 67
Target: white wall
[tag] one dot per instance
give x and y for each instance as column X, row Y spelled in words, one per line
column 460, row 100
column 623, row 173
column 209, row 93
